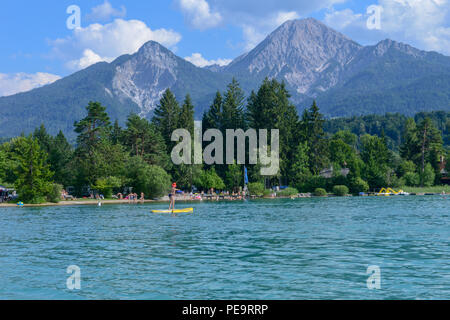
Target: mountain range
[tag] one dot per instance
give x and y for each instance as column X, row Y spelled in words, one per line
column 315, row 62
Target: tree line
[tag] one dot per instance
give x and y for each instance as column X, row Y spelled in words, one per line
column 108, row 158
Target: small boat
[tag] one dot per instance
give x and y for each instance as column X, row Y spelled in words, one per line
column 188, row 210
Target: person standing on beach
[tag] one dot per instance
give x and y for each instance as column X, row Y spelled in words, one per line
column 172, row 196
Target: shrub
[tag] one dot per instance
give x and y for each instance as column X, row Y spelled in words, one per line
column 54, row 195
column 393, row 181
column 359, row 185
column 288, row 192
column 37, row 200
column 309, row 183
column 406, row 167
column 106, row 185
column 339, row 180
column 427, row 177
column 152, row 180
column 412, row 179
column 256, row 189
column 340, row 191
column 209, row 179
column 320, row 192
column 159, row 181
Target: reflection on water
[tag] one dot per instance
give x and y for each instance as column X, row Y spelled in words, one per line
column 282, row 249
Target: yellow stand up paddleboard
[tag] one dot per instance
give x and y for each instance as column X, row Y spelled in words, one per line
column 188, row 210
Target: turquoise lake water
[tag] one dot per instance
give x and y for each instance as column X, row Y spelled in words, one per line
column 274, row 249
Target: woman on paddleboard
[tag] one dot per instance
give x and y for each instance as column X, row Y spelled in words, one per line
column 172, row 196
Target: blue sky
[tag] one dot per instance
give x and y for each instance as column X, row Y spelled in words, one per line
column 38, row 48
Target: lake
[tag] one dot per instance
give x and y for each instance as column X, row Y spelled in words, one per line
column 317, row 248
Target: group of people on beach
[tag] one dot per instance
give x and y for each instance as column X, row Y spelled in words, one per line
column 132, row 197
column 211, row 195
column 66, row 196
column 3, row 197
column 135, row 198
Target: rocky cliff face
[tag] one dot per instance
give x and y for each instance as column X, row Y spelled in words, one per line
column 306, row 54
column 145, row 76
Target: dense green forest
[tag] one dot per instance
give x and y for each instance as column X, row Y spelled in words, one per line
column 378, row 151
column 392, row 124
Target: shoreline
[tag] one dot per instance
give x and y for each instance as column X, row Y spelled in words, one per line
column 186, row 199
column 76, row 203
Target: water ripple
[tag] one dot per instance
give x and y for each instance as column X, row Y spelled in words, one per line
column 283, row 249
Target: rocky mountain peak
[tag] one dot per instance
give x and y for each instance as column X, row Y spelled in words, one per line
column 145, row 76
column 298, row 52
column 386, row 45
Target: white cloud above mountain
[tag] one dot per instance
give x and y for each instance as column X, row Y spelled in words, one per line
column 198, row 60
column 255, row 32
column 105, row 42
column 105, row 12
column 255, row 18
column 89, row 58
column 421, row 23
column 199, row 15
column 341, row 19
column 21, row 82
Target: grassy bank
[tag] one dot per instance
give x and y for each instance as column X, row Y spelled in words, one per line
column 434, row 189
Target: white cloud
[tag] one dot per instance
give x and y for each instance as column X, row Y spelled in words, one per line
column 425, row 23
column 198, row 14
column 198, row 60
column 98, row 42
column 105, row 12
column 256, row 19
column 282, row 17
column 256, row 31
column 341, row 19
column 89, row 58
column 421, row 23
column 21, row 82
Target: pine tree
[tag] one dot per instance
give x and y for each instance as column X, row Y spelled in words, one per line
column 430, row 141
column 143, row 140
column 91, row 129
column 43, row 138
column 226, row 113
column 184, row 174
column 59, row 158
column 288, row 124
column 409, row 149
column 116, row 133
column 311, row 131
column 269, row 109
column 186, row 119
column 233, row 107
column 212, row 119
column 376, row 157
column 262, row 106
column 166, row 117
